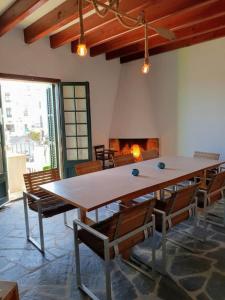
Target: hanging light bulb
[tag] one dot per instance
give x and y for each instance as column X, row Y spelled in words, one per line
column 146, row 66
column 81, row 47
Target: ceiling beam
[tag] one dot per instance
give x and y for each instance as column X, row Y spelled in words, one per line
column 17, row 12
column 204, row 37
column 182, row 33
column 58, row 17
column 186, row 17
column 93, row 23
column 156, row 10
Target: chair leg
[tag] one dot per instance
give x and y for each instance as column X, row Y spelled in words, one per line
column 41, row 246
column 107, row 271
column 164, row 258
column 40, row 220
column 26, row 216
column 66, row 221
column 77, row 255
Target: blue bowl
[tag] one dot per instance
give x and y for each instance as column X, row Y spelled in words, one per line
column 161, row 165
column 135, row 172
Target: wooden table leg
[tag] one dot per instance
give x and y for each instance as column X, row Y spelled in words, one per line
column 84, row 218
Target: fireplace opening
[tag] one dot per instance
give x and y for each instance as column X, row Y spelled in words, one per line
column 134, row 146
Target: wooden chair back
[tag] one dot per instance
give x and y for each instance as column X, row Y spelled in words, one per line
column 122, row 160
column 33, row 180
column 119, row 225
column 180, row 200
column 215, row 187
column 99, row 151
column 206, row 155
column 88, row 167
column 149, row 154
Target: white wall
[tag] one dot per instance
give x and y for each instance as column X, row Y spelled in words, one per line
column 134, row 115
column 201, row 95
column 183, row 97
column 39, row 59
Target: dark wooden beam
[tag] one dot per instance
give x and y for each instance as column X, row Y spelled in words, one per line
column 155, row 11
column 58, row 17
column 186, row 17
column 28, row 78
column 94, row 23
column 218, row 33
column 17, row 12
column 183, row 33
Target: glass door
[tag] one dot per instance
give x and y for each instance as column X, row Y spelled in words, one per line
column 76, row 125
column 3, row 173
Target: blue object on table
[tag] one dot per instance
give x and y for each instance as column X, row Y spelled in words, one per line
column 161, row 165
column 135, row 172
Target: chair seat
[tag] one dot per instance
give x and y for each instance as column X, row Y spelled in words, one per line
column 51, row 206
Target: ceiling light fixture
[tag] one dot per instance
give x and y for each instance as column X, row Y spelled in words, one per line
column 81, row 47
column 125, row 20
column 146, row 66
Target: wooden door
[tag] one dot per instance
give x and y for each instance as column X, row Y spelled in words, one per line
column 76, row 125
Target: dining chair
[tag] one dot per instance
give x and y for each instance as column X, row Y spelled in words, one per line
column 171, row 211
column 206, row 178
column 113, row 237
column 210, row 196
column 104, row 155
column 206, row 155
column 149, row 154
column 41, row 202
column 88, row 167
column 121, row 160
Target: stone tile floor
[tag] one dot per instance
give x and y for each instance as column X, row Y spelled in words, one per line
column 199, row 275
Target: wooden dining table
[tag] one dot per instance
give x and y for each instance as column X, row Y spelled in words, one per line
column 94, row 190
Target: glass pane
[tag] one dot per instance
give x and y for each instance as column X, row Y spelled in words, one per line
column 82, row 142
column 83, row 153
column 69, row 104
column 81, row 129
column 81, row 117
column 69, row 117
column 71, row 154
column 71, row 142
column 80, row 104
column 68, row 92
column 80, row 91
column 70, row 130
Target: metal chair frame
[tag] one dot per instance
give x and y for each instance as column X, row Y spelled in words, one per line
column 40, row 246
column 191, row 208
column 208, row 205
column 107, row 246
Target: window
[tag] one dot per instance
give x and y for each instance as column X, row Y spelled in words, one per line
column 77, row 121
column 9, row 112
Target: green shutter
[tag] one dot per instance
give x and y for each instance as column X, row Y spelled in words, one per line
column 52, row 127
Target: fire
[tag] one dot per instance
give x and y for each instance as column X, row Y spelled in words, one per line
column 136, row 151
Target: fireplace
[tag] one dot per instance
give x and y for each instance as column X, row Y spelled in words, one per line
column 134, row 146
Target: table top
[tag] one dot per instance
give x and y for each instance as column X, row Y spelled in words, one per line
column 97, row 189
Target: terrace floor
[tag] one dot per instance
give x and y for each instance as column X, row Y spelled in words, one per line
column 199, row 275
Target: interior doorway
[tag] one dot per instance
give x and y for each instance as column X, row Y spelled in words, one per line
column 28, row 132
